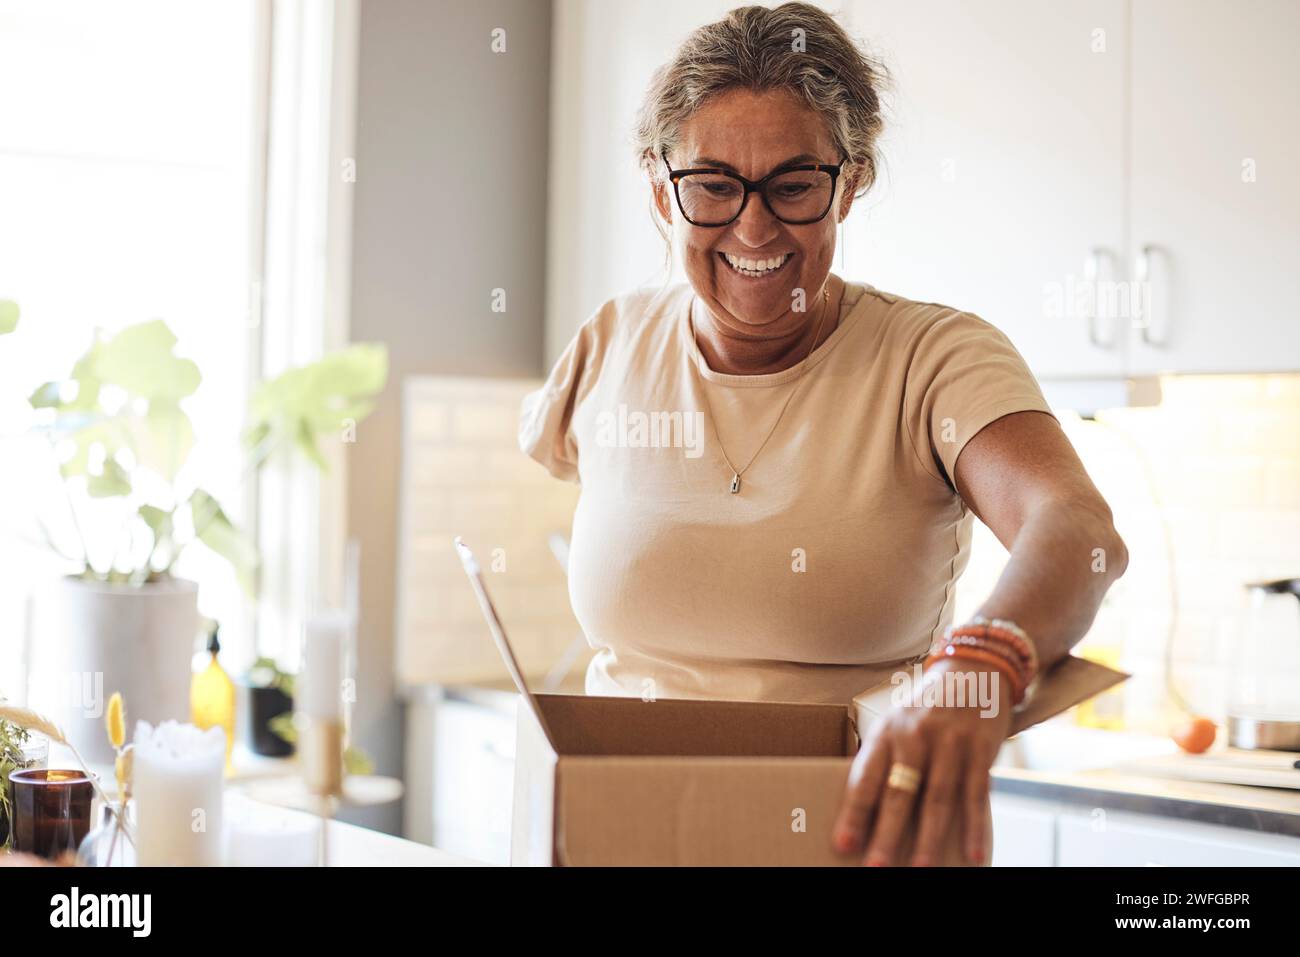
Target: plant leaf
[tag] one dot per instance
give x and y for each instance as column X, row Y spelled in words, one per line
column 111, row 482
column 301, row 406
column 140, row 360
column 103, row 433
column 8, row 316
column 215, row 530
column 87, row 380
column 46, row 396
column 356, row 761
column 162, row 438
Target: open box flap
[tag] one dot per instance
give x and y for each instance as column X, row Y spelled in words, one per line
column 475, row 574
column 1070, row 681
column 680, row 727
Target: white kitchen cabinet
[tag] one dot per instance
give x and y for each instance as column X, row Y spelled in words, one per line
column 1215, row 196
column 1117, row 839
column 1003, row 169
column 1024, row 832
column 1149, row 145
column 460, row 772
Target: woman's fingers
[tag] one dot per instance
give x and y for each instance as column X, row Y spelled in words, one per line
column 896, row 805
column 866, row 778
column 939, row 803
column 976, row 835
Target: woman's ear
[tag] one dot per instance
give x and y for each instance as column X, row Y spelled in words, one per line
column 663, row 203
column 847, row 193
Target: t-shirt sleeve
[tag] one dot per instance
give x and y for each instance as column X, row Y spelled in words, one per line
column 546, row 416
column 965, row 374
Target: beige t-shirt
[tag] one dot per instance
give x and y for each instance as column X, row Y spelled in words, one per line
column 834, row 564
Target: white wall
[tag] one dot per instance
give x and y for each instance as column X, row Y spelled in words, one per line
column 450, row 204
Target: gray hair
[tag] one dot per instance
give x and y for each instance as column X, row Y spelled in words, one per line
column 794, row 47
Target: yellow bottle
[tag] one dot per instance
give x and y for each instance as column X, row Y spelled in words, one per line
column 212, row 698
column 1106, row 710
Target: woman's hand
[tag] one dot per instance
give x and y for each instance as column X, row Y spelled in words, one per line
column 951, row 749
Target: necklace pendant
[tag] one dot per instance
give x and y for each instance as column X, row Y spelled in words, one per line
column 735, row 484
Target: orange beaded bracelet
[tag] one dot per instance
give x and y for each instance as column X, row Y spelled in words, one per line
column 1006, row 626
column 994, row 659
column 997, row 642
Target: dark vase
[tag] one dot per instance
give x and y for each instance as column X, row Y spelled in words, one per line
column 263, row 705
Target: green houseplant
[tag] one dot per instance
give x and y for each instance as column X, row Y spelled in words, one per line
column 12, row 740
column 121, row 437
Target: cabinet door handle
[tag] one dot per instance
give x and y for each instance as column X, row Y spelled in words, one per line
column 1144, row 297
column 1092, row 274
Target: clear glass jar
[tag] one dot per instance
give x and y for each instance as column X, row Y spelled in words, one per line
column 1266, row 665
column 106, row 845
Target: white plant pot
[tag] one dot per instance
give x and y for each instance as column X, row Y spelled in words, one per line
column 97, row 639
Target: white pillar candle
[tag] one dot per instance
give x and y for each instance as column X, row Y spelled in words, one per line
column 176, row 782
column 262, row 835
column 318, row 698
column 319, row 690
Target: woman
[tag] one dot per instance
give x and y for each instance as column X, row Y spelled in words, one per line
column 779, row 468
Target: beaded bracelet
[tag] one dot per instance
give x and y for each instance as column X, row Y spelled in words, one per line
column 996, row 645
column 1000, row 643
column 1004, row 625
column 1013, row 633
column 985, row 656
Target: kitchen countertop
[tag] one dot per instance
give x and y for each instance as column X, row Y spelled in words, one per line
column 1263, row 810
column 352, row 846
column 1259, row 809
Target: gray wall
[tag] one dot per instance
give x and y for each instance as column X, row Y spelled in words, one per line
column 450, row 203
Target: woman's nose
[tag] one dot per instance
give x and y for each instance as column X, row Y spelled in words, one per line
column 755, row 226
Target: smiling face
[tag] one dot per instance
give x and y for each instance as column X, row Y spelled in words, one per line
column 752, row 133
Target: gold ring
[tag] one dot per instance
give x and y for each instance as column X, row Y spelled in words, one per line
column 904, row 778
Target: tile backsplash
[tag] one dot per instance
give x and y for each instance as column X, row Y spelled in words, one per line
column 463, row 474
column 1205, row 488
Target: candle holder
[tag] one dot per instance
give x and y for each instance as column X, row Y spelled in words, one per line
column 51, row 810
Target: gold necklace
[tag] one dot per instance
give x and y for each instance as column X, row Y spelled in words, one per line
column 735, row 472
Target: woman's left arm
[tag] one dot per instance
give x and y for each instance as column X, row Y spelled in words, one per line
column 1021, row 476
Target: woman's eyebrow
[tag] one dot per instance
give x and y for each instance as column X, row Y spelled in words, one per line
column 719, row 164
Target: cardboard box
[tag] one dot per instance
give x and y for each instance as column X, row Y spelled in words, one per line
column 621, row 781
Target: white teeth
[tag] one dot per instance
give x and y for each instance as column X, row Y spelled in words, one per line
column 756, row 267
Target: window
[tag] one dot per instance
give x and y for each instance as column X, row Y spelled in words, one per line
column 127, row 177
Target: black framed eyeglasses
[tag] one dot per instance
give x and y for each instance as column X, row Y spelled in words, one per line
column 797, row 195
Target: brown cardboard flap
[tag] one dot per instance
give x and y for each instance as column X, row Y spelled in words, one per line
column 590, row 725
column 1070, row 681
column 532, row 826
column 660, row 812
column 498, row 632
